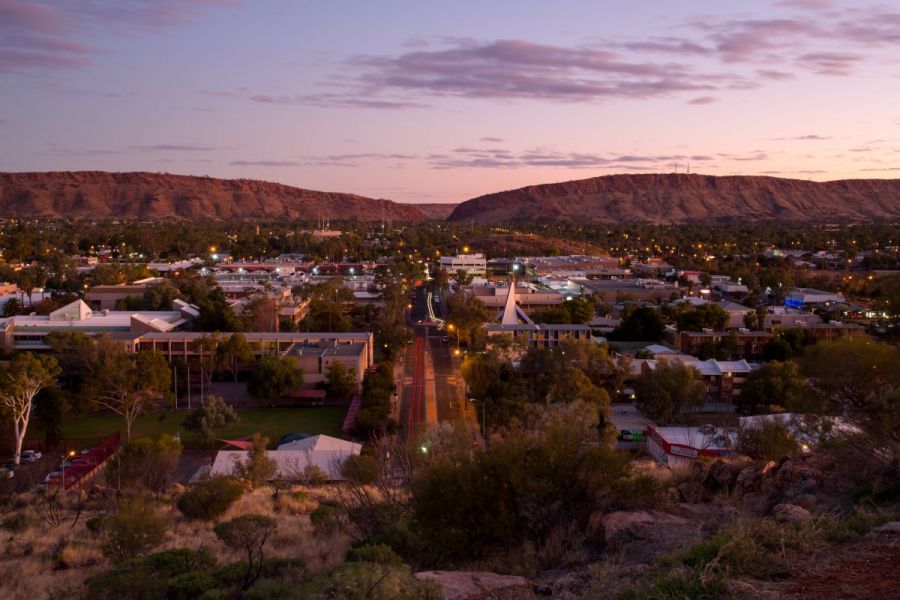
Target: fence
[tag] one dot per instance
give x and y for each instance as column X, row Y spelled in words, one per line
column 85, row 466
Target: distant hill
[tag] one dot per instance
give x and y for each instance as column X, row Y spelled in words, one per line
column 677, row 198
column 103, row 195
column 436, row 212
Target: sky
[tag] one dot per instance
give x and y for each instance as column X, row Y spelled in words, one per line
column 444, row 101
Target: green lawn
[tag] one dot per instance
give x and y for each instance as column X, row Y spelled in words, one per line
column 270, row 422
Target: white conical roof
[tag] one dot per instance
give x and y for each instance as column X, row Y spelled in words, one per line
column 509, row 311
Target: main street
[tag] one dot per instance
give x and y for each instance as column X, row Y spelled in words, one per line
column 433, row 389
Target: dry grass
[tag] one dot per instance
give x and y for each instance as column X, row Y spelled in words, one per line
column 42, row 562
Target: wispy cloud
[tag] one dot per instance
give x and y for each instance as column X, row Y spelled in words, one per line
column 175, row 148
column 36, row 35
column 703, row 100
column 813, row 137
column 264, row 163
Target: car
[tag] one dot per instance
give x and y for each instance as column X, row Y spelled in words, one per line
column 30, row 456
column 6, row 474
column 445, row 339
column 53, row 475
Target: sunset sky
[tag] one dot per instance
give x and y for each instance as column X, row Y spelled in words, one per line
column 422, row 101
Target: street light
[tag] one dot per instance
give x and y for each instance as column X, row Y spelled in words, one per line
column 62, row 475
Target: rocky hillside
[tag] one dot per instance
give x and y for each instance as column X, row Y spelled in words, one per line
column 103, row 195
column 678, row 198
column 436, row 211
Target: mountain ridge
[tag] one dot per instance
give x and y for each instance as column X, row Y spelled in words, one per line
column 144, row 195
column 681, row 198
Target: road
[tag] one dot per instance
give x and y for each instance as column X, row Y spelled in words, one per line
column 433, row 390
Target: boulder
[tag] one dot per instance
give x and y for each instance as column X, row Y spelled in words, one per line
column 462, row 585
column 807, row 501
column 750, row 479
column 790, row 513
column 891, row 528
column 639, row 536
column 692, row 492
column 719, row 474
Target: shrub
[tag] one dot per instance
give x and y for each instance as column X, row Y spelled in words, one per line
column 188, row 586
column 323, row 517
column 362, row 469
column 258, row 468
column 95, row 524
column 178, row 561
column 210, row 499
column 770, row 442
column 14, row 523
column 250, row 534
column 381, row 554
column 127, row 584
column 145, row 463
column 132, row 531
column 72, row 554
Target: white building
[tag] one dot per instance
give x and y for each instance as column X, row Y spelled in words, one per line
column 472, row 264
column 322, row 451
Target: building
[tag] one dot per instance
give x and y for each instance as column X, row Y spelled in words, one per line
column 316, row 359
column 107, row 297
column 326, row 453
column 540, row 335
column 472, row 264
column 827, row 331
column 723, row 378
column 748, row 345
column 800, row 297
column 183, row 344
column 528, row 299
column 675, row 446
column 27, row 332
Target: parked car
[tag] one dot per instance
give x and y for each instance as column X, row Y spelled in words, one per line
column 445, row 339
column 6, row 473
column 52, row 475
column 30, row 456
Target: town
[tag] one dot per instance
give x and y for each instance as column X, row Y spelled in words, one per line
column 348, row 368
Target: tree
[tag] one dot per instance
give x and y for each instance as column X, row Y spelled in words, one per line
column 250, row 534
column 665, row 393
column 774, row 384
column 273, row 377
column 258, row 468
column 132, row 531
column 234, row 353
column 340, row 382
column 125, row 383
column 467, row 314
column 146, row 463
column 20, row 381
column 212, row 414
column 575, row 386
column 640, row 324
column 858, row 374
column 208, row 500
column 705, row 316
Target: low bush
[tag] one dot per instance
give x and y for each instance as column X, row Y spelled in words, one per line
column 14, row 523
column 132, row 531
column 323, row 518
column 380, row 554
column 210, row 499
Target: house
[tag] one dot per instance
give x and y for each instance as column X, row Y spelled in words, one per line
column 723, row 378
column 291, row 459
column 748, row 345
column 676, row 446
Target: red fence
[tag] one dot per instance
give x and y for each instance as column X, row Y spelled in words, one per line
column 83, row 467
column 350, row 419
